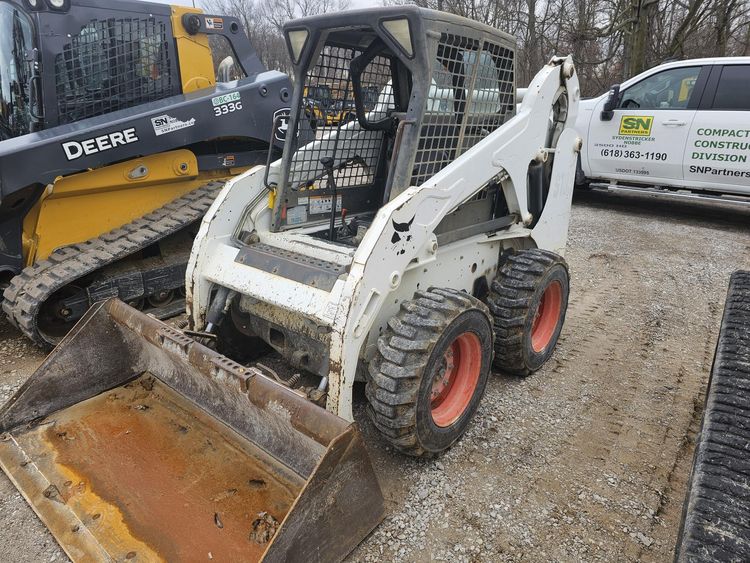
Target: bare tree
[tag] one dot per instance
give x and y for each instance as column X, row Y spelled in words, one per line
column 263, row 20
column 610, row 40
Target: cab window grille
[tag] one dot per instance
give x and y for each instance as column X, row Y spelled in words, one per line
column 113, row 64
column 328, row 101
column 472, row 93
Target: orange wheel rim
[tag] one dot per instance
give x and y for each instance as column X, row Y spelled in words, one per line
column 546, row 317
column 455, row 379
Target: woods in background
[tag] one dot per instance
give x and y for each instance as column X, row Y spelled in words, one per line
column 263, row 20
column 610, row 40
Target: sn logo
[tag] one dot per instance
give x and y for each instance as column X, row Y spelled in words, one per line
column 636, row 125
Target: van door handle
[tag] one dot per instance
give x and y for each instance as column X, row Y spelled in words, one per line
column 674, row 123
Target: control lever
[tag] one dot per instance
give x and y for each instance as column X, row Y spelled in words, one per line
column 344, row 226
column 327, row 163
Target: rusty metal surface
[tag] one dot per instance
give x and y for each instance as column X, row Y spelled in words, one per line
column 132, row 441
column 342, row 498
column 147, row 473
column 114, row 343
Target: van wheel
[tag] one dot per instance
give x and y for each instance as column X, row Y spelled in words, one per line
column 430, row 371
column 528, row 300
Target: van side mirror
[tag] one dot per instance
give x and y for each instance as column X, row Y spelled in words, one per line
column 613, row 100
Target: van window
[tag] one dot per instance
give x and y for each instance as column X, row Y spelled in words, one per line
column 733, row 90
column 670, row 89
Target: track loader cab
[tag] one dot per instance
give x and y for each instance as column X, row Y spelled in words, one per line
column 108, row 112
column 68, row 60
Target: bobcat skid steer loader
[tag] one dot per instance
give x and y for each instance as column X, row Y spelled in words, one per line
column 443, row 247
column 406, row 248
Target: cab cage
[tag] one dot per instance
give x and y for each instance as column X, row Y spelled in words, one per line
column 426, row 87
column 99, row 56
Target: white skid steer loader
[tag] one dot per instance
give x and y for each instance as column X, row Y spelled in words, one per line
column 451, row 216
column 410, row 246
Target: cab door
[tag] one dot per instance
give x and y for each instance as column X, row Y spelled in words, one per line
column 646, row 138
column 718, row 152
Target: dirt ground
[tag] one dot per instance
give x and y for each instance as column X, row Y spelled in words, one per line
column 586, row 459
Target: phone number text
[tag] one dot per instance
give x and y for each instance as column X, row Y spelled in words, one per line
column 619, row 153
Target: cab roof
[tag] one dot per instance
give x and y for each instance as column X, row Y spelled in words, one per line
column 432, row 20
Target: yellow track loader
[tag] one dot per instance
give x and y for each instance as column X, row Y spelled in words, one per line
column 411, row 248
column 119, row 123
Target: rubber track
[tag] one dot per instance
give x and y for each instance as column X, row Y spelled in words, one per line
column 510, row 300
column 716, row 520
column 23, row 298
column 398, row 367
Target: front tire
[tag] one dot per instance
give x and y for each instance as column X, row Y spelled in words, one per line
column 430, row 371
column 528, row 300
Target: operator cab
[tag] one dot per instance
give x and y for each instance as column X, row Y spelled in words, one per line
column 62, row 62
column 17, row 44
column 408, row 91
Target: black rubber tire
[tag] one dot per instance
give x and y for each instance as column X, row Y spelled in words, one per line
column 401, row 373
column 716, row 517
column 514, row 298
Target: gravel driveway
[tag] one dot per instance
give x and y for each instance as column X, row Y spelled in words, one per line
column 586, row 459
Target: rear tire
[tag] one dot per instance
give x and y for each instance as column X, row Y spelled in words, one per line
column 430, row 371
column 528, row 300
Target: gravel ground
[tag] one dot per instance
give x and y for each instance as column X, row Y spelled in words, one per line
column 586, row 459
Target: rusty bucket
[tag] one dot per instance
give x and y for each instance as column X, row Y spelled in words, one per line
column 134, row 442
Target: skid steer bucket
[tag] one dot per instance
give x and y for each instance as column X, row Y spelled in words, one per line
column 134, row 442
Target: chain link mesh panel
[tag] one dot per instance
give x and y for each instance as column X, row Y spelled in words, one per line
column 472, row 93
column 113, row 64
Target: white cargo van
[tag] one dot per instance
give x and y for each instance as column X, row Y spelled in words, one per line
column 683, row 125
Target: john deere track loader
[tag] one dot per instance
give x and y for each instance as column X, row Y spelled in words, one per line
column 408, row 248
column 115, row 136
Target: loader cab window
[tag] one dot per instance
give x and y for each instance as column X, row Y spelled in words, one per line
column 114, row 64
column 226, row 68
column 472, row 93
column 317, row 100
column 360, row 154
column 16, row 43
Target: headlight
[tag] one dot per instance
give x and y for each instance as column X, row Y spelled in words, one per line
column 59, row 5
